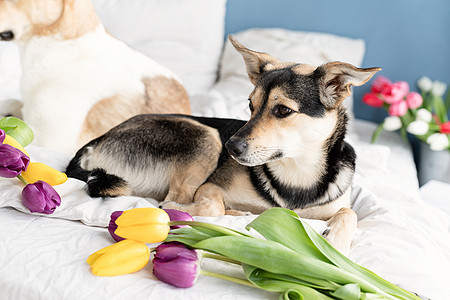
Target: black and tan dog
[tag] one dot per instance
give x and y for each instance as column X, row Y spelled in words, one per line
column 291, row 153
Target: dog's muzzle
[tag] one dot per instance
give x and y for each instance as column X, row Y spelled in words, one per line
column 236, row 146
column 6, row 35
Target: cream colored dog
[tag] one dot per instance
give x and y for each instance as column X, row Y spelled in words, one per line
column 78, row 81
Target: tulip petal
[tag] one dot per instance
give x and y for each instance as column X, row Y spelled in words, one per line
column 143, row 215
column 40, row 171
column 121, row 258
column 147, row 233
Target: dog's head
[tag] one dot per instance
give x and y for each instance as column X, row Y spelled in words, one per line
column 294, row 107
column 22, row 19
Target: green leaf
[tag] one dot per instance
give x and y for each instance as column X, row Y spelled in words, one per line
column 257, row 276
column 282, row 283
column 293, row 295
column 377, row 133
column 281, row 225
column 279, row 259
column 447, row 101
column 349, row 291
column 440, row 109
column 17, row 129
column 348, row 265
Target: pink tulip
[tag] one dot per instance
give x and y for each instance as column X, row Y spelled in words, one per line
column 395, row 92
column 372, row 99
column 414, row 100
column 398, row 109
column 380, row 83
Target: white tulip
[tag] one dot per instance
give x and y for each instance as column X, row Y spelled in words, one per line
column 425, row 84
column 438, row 88
column 424, row 115
column 438, row 141
column 418, row 127
column 392, row 123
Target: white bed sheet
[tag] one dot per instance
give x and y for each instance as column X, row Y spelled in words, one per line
column 399, row 236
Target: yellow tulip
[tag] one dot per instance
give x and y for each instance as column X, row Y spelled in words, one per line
column 12, row 142
column 124, row 257
column 40, row 171
column 146, row 224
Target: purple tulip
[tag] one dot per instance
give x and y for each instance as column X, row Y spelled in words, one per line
column 12, row 161
column 176, row 215
column 176, row 265
column 2, row 136
column 40, row 197
column 113, row 226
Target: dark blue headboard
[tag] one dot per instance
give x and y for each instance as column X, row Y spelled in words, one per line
column 407, row 38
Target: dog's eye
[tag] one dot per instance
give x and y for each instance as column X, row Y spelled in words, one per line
column 250, row 106
column 282, row 111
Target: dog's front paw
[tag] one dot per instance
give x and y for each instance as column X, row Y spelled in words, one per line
column 170, row 205
column 232, row 212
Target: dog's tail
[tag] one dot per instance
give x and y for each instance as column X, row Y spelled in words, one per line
column 98, row 182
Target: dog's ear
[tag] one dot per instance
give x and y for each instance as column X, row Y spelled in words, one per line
column 336, row 78
column 257, row 62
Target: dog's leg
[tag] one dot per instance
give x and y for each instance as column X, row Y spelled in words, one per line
column 208, row 201
column 341, row 228
column 184, row 183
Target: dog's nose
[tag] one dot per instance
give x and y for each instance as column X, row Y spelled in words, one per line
column 6, row 35
column 236, row 146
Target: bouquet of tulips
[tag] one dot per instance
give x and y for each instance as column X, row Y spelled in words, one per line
column 424, row 115
column 38, row 194
column 292, row 259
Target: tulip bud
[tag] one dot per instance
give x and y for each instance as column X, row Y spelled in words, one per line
column 146, row 224
column 438, row 88
column 373, row 100
column 12, row 142
column 445, row 127
column 12, row 161
column 438, row 141
column 380, row 83
column 176, row 215
column 398, row 109
column 414, row 100
column 395, row 92
column 424, row 115
column 40, row 197
column 113, row 226
column 392, row 123
column 124, row 257
column 418, row 127
column 176, row 265
column 40, row 171
column 2, row 136
column 425, row 84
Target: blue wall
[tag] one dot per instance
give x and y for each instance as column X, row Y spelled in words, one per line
column 407, row 38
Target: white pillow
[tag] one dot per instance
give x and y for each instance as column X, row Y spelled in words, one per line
column 233, row 86
column 184, row 35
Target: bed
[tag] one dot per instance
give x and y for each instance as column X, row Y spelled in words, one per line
column 399, row 236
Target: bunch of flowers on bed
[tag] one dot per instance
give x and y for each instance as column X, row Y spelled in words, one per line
column 38, row 195
column 291, row 258
column 424, row 115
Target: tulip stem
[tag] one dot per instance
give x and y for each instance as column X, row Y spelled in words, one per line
column 227, row 277
column 220, row 257
column 22, row 179
column 210, row 226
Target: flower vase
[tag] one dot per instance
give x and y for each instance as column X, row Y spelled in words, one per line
column 434, row 165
